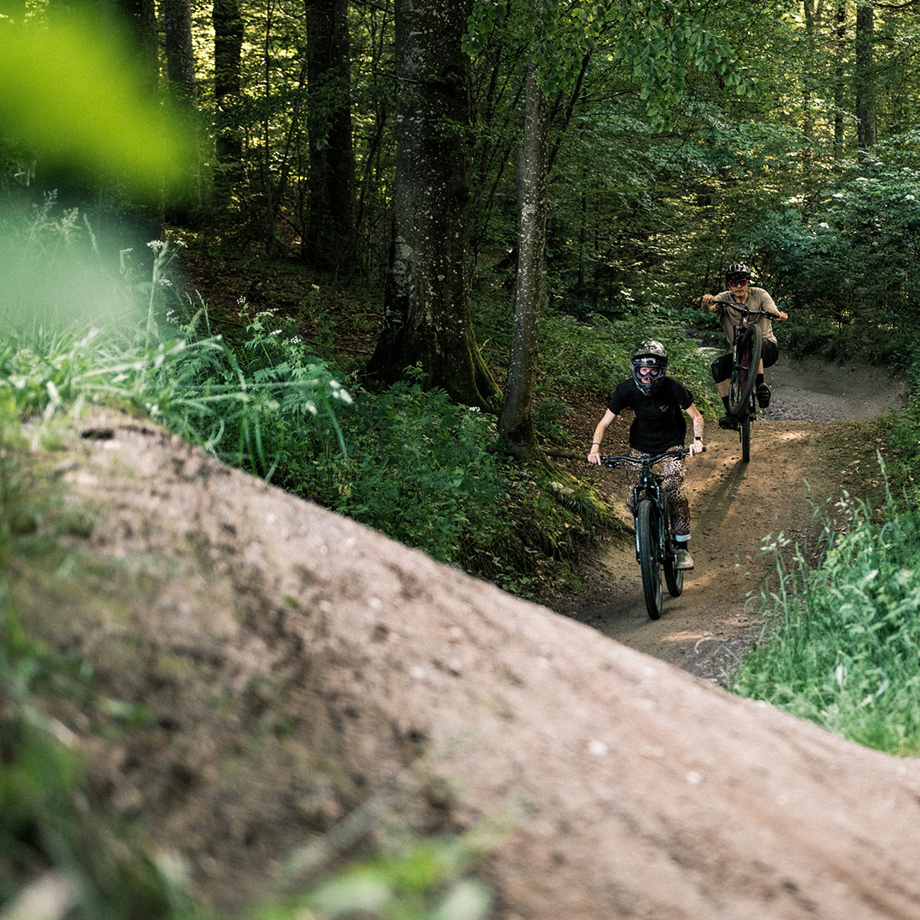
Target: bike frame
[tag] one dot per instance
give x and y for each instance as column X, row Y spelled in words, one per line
column 650, row 490
column 743, row 377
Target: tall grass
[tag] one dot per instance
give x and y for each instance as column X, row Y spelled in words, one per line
column 842, row 646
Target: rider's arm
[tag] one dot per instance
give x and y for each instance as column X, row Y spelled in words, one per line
column 594, row 456
column 770, row 308
column 696, row 445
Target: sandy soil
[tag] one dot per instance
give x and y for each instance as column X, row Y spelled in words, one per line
column 802, row 461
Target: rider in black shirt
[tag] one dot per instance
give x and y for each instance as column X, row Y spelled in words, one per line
column 658, row 403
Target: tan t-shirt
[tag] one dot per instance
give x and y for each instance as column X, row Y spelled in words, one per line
column 729, row 314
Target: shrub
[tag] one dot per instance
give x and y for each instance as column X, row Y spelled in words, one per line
column 844, row 643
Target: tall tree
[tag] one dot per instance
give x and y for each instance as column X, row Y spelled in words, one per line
column 180, row 71
column 137, row 21
column 840, row 32
column 515, row 423
column 866, row 125
column 227, row 22
column 329, row 241
column 671, row 44
column 427, row 318
column 139, row 24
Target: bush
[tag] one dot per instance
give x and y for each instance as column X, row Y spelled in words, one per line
column 844, row 643
column 420, row 469
column 845, row 256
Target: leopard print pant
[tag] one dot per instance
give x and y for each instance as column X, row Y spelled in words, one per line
column 673, row 470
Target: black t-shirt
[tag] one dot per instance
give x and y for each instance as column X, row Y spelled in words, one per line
column 659, row 422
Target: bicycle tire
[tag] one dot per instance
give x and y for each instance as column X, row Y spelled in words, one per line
column 647, row 540
column 744, row 372
column 673, row 576
column 745, row 423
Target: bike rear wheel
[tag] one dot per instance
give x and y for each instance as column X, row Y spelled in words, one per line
column 673, row 576
column 647, row 540
column 744, row 373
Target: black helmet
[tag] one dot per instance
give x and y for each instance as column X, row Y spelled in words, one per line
column 736, row 271
column 649, row 363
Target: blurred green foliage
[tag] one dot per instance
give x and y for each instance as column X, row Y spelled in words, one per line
column 76, row 96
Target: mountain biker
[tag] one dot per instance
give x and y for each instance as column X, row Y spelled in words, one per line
column 659, row 403
column 740, row 292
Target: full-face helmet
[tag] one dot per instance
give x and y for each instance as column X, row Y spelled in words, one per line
column 649, row 362
column 737, row 272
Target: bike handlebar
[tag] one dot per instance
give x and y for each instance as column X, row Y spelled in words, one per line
column 611, row 461
column 741, row 308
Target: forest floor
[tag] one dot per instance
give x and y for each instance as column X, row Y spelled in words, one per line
column 816, row 441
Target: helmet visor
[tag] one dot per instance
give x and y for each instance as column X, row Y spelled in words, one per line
column 648, row 372
column 648, row 368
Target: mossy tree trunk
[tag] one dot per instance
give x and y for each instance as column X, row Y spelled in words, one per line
column 427, row 318
column 515, row 423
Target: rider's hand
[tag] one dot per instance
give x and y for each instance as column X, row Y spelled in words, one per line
column 696, row 447
column 707, row 301
column 594, row 456
column 783, row 316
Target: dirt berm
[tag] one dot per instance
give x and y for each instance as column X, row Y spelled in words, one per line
column 300, row 667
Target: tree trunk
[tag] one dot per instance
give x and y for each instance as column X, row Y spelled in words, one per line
column 808, row 123
column 515, row 424
column 839, row 80
column 865, row 76
column 426, row 309
column 137, row 23
column 329, row 241
column 227, row 21
column 180, row 69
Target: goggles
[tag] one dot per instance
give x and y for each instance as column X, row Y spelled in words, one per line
column 648, row 371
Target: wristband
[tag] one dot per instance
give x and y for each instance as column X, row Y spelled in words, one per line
column 697, row 438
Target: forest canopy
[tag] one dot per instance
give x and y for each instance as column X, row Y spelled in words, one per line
column 680, row 137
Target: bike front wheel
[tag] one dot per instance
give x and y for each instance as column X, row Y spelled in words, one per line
column 744, row 373
column 745, row 422
column 648, row 528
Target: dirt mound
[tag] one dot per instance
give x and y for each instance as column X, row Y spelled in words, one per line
column 300, row 667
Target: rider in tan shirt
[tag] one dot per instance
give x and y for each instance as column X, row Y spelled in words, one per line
column 740, row 293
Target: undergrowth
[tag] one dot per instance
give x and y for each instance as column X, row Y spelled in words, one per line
column 842, row 641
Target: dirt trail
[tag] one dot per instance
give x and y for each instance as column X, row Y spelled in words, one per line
column 800, row 461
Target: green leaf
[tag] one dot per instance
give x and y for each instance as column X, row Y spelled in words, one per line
column 76, row 96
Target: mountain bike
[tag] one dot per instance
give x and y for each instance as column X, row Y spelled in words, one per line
column 746, row 361
column 656, row 547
